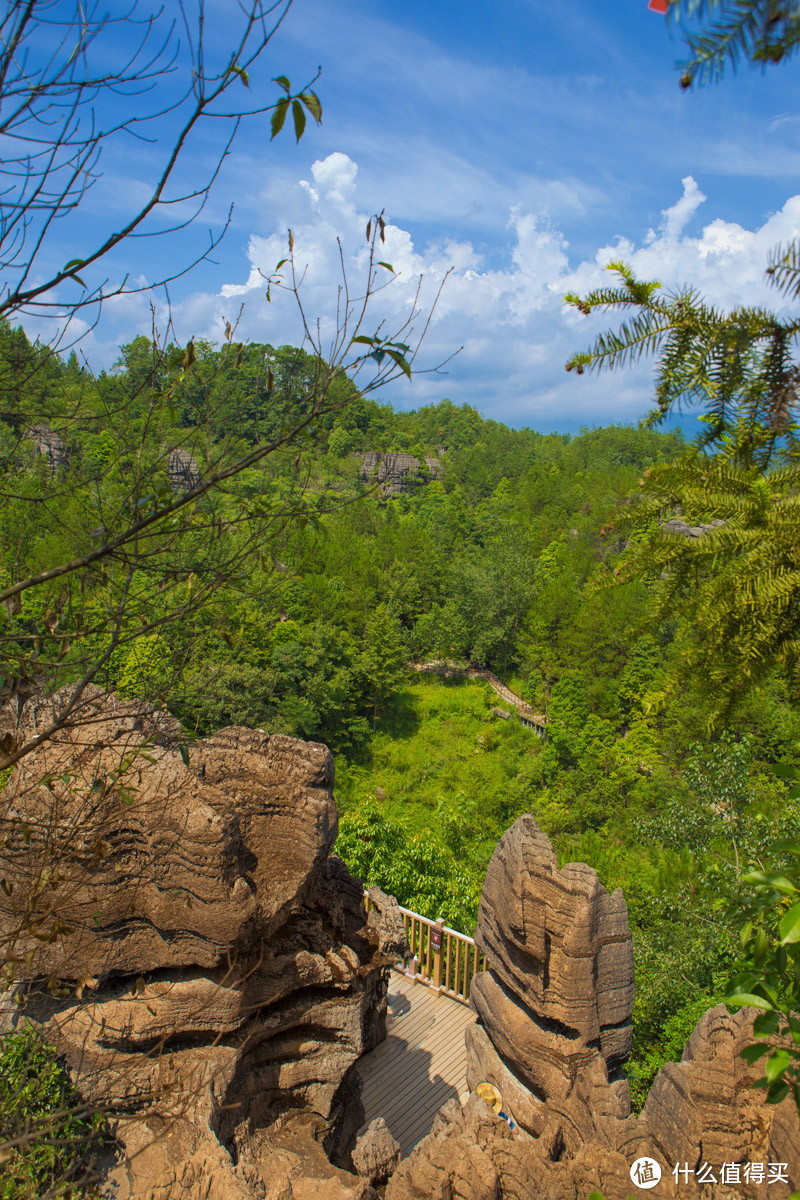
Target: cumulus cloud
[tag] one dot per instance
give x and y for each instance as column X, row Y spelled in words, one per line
column 505, row 307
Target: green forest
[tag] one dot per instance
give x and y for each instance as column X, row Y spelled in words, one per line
column 293, row 598
column 247, row 534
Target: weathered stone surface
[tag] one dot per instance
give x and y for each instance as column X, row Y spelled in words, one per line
column 202, row 861
column 398, row 472
column 472, row 1154
column 386, row 920
column 561, row 962
column 455, row 1160
column 484, row 1063
column 48, row 444
column 706, row 1107
column 376, row 1152
column 546, row 1060
column 290, row 1164
column 682, row 528
column 183, row 471
column 224, row 979
column 543, row 1042
column 222, row 975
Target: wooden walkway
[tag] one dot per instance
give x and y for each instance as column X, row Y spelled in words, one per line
column 421, row 1064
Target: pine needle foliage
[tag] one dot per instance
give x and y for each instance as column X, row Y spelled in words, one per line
column 738, row 367
column 761, row 32
column 729, row 568
column 736, row 582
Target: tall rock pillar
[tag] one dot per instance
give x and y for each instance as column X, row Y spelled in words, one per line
column 555, row 1005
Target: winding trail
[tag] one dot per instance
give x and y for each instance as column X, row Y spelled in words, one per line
column 526, row 714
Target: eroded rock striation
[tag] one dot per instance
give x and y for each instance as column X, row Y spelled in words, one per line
column 554, row 1012
column 205, row 964
column 556, row 1003
column 207, row 967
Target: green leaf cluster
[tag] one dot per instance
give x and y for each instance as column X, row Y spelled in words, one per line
column 760, row 32
column 770, row 978
column 53, row 1138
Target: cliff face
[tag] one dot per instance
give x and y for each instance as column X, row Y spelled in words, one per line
column 398, row 472
column 554, row 1013
column 208, row 970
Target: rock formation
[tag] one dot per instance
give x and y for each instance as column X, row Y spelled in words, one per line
column 203, row 961
column 48, row 444
column 681, row 528
column 183, row 471
column 376, row 1152
column 556, row 1003
column 554, row 1012
column 205, row 964
column 398, row 472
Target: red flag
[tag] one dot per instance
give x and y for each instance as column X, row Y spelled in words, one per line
column 659, row 6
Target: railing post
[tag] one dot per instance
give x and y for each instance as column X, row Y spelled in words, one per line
column 437, row 941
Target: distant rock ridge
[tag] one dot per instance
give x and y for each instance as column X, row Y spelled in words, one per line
column 48, row 444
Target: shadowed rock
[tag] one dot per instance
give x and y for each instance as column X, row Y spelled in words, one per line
column 376, row 1152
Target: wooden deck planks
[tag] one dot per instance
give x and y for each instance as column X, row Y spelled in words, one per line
column 420, row 1065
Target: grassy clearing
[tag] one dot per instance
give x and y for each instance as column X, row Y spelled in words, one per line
column 440, row 754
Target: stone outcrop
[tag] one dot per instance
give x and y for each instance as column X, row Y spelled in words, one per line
column 680, row 528
column 472, row 1154
column 554, row 1012
column 376, row 1152
column 556, row 1004
column 706, row 1108
column 205, row 964
column 48, row 444
column 398, row 472
column 213, row 976
column 183, row 471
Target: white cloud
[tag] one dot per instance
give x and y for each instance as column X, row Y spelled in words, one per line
column 507, row 313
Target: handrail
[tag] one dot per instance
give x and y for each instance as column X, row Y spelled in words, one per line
column 439, row 957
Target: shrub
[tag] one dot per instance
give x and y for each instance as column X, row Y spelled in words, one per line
column 58, row 1138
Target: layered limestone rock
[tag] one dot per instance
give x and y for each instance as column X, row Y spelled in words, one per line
column 206, row 966
column 472, row 1154
column 555, row 1006
column 376, row 1152
column 705, row 1108
column 554, row 1013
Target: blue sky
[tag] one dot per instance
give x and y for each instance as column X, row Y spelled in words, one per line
column 523, row 144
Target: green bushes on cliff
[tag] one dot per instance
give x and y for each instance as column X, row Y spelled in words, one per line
column 51, row 1138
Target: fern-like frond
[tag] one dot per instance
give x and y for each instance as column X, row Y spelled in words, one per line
column 738, row 367
column 784, row 269
column 755, row 31
column 719, row 543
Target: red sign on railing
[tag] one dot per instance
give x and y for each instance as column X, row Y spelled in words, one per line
column 659, row 6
